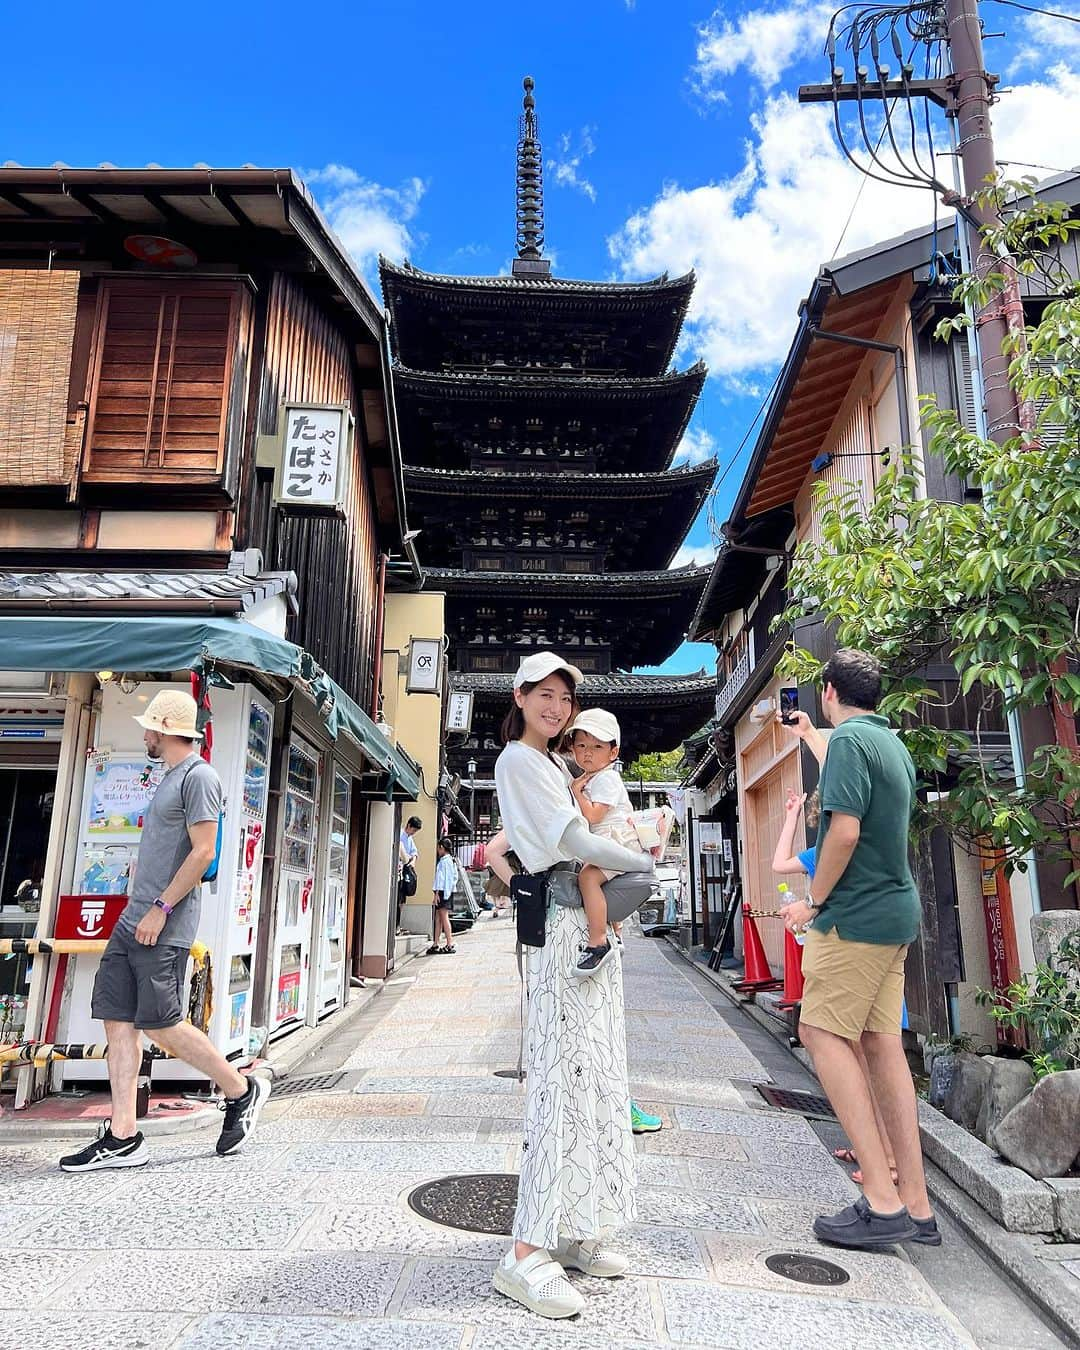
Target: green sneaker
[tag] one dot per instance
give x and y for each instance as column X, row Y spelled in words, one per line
column 641, row 1122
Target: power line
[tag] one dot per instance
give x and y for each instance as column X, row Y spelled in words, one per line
column 1034, row 9
column 742, row 445
column 1024, row 164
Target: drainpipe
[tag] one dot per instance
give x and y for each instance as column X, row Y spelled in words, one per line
column 899, row 361
column 380, row 611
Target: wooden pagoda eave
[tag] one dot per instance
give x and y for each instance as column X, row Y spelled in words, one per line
column 456, row 484
column 572, row 586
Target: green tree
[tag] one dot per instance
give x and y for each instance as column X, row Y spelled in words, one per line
column 993, row 586
column 661, row 766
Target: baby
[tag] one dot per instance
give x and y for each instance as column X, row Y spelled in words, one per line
column 601, row 794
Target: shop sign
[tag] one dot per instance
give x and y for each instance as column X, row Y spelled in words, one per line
column 459, row 712
column 425, row 666
column 88, row 916
column 1000, row 931
column 314, row 458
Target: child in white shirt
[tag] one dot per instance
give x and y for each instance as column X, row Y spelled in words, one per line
column 601, row 794
column 442, row 897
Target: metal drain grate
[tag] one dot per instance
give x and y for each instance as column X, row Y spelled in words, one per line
column 323, row 1082
column 801, row 1103
column 806, row 1269
column 480, row 1202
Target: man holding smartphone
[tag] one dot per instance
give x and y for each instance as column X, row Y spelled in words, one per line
column 864, row 909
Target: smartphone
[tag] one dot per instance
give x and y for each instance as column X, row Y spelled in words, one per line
column 789, row 705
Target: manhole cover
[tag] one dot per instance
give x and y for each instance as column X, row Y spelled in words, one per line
column 510, row 1073
column 806, row 1269
column 323, row 1082
column 802, row 1103
column 481, row 1202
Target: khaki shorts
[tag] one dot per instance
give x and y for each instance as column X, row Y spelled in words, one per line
column 851, row 987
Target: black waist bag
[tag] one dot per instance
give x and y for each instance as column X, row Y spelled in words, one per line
column 529, row 892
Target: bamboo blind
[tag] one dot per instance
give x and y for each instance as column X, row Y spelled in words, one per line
column 37, row 328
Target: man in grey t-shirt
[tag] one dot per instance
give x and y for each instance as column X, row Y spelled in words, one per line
column 140, row 983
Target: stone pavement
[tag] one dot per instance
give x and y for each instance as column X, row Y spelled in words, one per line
column 305, row 1238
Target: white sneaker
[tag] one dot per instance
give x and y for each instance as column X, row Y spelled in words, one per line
column 538, row 1283
column 591, row 1258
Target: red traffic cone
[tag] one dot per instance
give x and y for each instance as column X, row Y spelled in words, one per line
column 793, row 980
column 757, row 974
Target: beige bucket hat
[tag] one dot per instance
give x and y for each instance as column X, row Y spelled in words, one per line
column 173, row 713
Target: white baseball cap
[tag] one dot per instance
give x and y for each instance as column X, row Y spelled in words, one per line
column 540, row 665
column 600, row 723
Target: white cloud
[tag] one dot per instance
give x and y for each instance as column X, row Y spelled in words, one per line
column 695, row 447
column 765, row 42
column 367, row 217
column 566, row 170
column 1046, row 37
column 693, row 555
column 757, row 239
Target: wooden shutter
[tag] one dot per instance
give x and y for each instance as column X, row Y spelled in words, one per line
column 163, row 361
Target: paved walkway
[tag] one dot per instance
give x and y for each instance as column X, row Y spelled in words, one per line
column 305, row 1238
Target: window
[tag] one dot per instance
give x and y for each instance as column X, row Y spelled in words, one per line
column 159, row 400
column 489, row 564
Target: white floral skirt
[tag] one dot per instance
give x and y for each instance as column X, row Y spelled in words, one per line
column 577, row 1169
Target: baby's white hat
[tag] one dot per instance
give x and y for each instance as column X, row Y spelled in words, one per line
column 600, row 723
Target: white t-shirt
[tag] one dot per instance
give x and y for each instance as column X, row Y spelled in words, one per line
column 536, row 805
column 608, row 789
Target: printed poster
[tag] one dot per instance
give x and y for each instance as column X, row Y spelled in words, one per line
column 120, row 791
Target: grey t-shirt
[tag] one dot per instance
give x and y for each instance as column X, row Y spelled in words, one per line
column 189, row 793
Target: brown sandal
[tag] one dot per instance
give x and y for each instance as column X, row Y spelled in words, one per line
column 844, row 1155
column 857, row 1176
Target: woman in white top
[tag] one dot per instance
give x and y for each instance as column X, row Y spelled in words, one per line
column 577, row 1169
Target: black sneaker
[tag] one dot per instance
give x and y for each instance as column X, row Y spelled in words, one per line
column 241, row 1115
column 928, row 1234
column 108, row 1151
column 593, row 959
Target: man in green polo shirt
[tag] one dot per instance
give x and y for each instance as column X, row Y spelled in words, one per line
column 864, row 911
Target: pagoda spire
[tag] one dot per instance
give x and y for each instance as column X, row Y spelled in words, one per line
column 530, row 193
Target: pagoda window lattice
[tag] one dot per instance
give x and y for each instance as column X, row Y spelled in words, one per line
column 489, row 564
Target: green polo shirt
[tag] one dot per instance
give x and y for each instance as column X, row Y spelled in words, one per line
column 869, row 774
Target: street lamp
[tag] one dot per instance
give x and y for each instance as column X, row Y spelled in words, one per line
column 470, row 769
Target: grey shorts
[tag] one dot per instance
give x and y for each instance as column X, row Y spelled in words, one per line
column 138, row 984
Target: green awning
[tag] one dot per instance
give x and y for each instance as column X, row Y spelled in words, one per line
column 166, row 643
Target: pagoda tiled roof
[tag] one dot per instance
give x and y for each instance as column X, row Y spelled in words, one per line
column 512, row 384
column 655, row 286
column 453, row 482
column 617, row 686
column 672, row 581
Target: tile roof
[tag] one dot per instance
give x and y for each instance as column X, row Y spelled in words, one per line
column 44, row 590
column 614, row 686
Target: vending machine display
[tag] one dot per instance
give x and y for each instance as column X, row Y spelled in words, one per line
column 299, row 852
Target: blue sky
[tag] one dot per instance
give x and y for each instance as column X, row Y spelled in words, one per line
column 670, row 134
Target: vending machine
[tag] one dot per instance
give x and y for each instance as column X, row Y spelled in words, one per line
column 330, row 973
column 119, row 784
column 296, row 885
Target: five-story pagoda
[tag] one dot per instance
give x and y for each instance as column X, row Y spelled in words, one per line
column 539, row 419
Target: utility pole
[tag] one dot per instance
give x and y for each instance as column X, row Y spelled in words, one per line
column 1003, row 317
column 965, row 95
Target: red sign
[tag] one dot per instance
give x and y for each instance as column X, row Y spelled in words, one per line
column 88, row 916
column 1000, row 931
column 153, row 248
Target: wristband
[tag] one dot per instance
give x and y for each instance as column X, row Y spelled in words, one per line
column 165, row 909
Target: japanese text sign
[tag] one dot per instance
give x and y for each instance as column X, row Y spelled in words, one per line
column 314, row 456
column 459, row 712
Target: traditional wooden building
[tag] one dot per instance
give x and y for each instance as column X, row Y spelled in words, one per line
column 539, row 419
column 863, row 353
column 199, row 482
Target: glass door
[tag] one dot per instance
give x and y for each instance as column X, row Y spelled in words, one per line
column 296, row 886
column 332, row 954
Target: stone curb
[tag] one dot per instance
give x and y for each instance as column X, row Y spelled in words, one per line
column 1018, row 1202
column 1015, row 1253
column 296, row 1048
column 1038, row 1278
